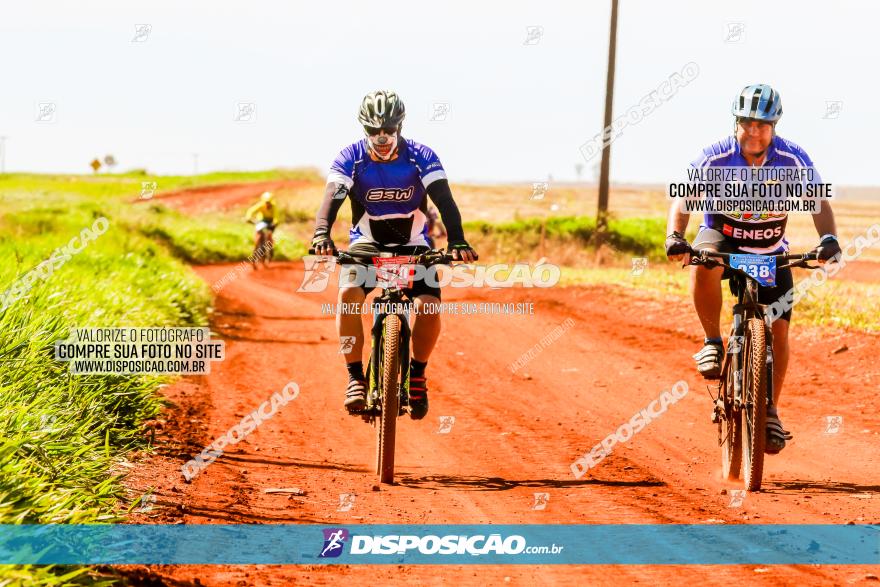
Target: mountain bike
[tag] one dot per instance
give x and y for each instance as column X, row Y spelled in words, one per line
column 388, row 369
column 745, row 389
column 264, row 246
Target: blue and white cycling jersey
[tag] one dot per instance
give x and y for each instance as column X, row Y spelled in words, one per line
column 389, row 203
column 758, row 233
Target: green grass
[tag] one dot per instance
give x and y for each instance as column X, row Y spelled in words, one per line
column 33, row 187
column 640, row 236
column 837, row 303
column 60, row 435
column 211, row 238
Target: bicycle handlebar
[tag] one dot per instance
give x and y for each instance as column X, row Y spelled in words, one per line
column 707, row 258
column 432, row 257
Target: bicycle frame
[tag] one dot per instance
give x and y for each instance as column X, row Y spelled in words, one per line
column 394, row 297
column 747, row 307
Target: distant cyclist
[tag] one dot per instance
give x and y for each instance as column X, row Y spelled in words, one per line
column 263, row 215
column 387, row 178
column 755, row 143
column 435, row 226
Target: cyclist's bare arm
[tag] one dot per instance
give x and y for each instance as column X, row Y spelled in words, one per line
column 824, row 220
column 677, row 222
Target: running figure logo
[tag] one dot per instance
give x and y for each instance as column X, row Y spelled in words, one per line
column 334, row 541
column 833, row 424
column 346, row 344
column 541, row 501
column 639, row 264
column 346, row 502
column 737, row 496
column 734, row 344
column 539, row 189
column 439, row 112
column 446, row 423
column 148, row 188
column 317, row 274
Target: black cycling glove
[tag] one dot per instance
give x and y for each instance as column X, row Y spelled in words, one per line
column 676, row 244
column 827, row 249
column 322, row 244
column 459, row 248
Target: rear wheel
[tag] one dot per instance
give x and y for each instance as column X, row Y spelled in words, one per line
column 754, row 409
column 731, row 431
column 389, row 396
column 267, row 248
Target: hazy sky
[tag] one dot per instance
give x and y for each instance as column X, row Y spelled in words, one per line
column 520, row 104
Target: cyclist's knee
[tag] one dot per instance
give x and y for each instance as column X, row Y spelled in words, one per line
column 427, row 305
column 351, row 295
column 706, row 274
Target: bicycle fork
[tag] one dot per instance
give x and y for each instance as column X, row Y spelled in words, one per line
column 768, row 340
column 377, row 332
column 735, row 361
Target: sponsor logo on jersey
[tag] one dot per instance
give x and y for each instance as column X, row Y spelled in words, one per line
column 753, row 217
column 390, row 194
column 752, row 233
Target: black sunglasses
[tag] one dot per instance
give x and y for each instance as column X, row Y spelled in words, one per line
column 746, row 121
column 373, row 131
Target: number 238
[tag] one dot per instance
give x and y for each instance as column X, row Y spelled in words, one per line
column 756, row 270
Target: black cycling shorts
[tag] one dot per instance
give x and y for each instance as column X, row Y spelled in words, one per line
column 713, row 240
column 419, row 287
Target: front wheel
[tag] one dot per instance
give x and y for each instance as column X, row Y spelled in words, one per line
column 268, row 249
column 389, row 397
column 259, row 248
column 731, row 429
column 754, row 407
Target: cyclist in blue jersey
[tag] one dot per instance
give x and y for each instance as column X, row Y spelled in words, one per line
column 386, row 178
column 755, row 143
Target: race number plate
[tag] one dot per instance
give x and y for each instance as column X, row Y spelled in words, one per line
column 394, row 272
column 761, row 267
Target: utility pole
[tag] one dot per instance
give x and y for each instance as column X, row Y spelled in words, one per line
column 602, row 212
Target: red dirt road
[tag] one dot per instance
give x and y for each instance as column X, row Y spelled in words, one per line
column 514, row 435
column 217, row 198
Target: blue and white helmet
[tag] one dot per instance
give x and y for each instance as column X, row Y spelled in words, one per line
column 758, row 102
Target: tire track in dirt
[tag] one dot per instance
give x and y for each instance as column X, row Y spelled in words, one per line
column 514, row 435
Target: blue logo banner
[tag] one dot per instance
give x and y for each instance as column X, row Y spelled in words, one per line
column 418, row 544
